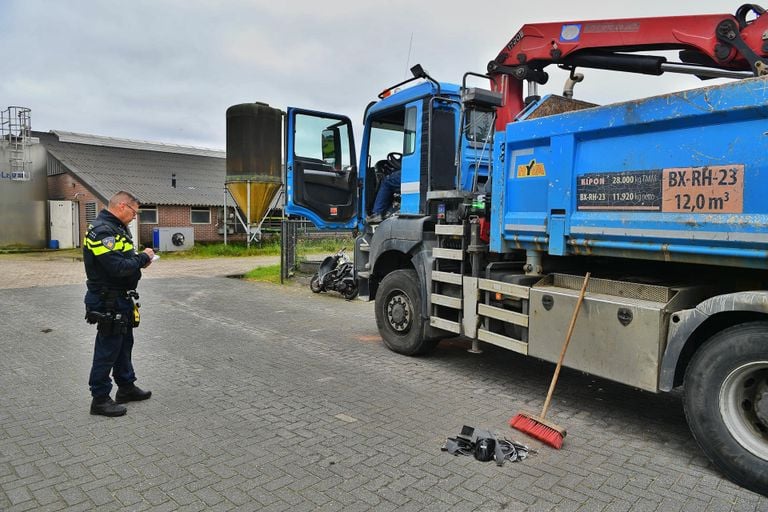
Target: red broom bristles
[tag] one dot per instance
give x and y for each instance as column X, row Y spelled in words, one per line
column 537, row 430
column 536, row 426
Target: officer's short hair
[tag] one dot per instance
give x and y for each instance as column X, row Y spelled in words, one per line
column 122, row 197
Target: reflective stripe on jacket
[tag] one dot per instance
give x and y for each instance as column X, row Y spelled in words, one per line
column 109, row 256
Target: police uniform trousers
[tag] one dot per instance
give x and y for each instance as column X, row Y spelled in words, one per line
column 111, row 353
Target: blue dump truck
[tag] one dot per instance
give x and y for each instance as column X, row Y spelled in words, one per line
column 506, row 200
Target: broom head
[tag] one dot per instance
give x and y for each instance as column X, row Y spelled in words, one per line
column 545, row 431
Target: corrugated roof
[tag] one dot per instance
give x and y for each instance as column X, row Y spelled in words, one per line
column 100, row 140
column 141, row 168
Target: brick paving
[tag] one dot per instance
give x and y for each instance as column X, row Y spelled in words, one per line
column 272, row 398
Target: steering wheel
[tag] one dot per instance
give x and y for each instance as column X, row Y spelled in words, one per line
column 394, row 159
column 390, row 164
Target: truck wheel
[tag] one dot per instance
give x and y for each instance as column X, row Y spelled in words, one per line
column 726, row 403
column 398, row 316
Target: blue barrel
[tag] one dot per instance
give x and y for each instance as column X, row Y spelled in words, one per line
column 53, row 244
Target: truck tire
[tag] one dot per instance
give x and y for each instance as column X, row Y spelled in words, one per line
column 398, row 316
column 726, row 403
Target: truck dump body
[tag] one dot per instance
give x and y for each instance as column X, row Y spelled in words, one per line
column 680, row 177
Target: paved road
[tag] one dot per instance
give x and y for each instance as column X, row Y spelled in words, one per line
column 271, row 398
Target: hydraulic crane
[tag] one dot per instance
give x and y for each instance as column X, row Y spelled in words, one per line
column 711, row 45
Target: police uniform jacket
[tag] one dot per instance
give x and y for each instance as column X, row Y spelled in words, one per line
column 110, row 258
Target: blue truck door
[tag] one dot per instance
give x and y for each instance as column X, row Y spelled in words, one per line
column 320, row 173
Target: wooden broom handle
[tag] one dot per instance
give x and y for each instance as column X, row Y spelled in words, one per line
column 565, row 346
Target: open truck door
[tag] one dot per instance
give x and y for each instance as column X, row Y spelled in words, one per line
column 321, row 175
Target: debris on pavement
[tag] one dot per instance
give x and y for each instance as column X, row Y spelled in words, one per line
column 485, row 445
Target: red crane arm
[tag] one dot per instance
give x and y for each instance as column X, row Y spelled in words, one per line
column 712, row 41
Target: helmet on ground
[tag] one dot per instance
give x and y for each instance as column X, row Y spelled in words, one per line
column 484, row 449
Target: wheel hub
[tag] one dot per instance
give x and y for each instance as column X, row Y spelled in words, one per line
column 761, row 404
column 399, row 313
column 744, row 406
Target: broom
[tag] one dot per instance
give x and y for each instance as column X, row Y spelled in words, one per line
column 536, row 426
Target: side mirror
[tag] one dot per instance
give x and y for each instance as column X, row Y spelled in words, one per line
column 331, row 147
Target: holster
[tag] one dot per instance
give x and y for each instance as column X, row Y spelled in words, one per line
column 111, row 322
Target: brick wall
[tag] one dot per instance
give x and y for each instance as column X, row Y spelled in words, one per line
column 68, row 188
column 179, row 217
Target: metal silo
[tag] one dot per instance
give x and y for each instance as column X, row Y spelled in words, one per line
column 254, row 163
column 23, row 182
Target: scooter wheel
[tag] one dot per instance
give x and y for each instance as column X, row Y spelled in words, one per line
column 314, row 284
column 351, row 292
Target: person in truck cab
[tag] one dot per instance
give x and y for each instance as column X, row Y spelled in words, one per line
column 388, row 186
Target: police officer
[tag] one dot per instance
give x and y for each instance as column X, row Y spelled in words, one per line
column 113, row 269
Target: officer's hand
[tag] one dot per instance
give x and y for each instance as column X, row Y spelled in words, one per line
column 149, row 252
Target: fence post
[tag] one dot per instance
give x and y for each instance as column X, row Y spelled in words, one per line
column 287, row 248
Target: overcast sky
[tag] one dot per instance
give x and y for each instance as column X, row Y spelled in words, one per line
column 166, row 70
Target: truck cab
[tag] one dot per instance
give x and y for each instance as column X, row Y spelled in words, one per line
column 414, row 131
column 416, row 128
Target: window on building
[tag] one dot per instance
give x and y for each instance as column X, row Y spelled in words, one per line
column 201, row 215
column 90, row 212
column 148, row 215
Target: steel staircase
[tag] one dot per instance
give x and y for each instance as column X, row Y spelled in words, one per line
column 447, row 277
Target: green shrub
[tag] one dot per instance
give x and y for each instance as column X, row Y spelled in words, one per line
column 269, row 274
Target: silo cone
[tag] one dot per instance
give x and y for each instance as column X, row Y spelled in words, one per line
column 254, row 174
column 262, row 191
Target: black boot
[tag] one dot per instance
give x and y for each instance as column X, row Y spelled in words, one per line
column 131, row 393
column 105, row 406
